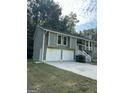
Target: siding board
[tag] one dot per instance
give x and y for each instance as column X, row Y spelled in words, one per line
column 38, row 40
column 52, row 41
column 73, row 43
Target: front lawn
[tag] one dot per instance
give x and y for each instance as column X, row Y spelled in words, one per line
column 48, row 79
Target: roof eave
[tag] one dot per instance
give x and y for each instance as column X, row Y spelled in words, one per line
column 67, row 34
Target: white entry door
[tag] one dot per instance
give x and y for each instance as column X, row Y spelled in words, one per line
column 53, row 54
column 68, row 55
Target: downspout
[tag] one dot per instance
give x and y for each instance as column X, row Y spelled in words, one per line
column 43, row 45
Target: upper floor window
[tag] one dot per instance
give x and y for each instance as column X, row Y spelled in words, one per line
column 87, row 43
column 59, row 39
column 65, row 40
column 90, row 44
column 83, row 42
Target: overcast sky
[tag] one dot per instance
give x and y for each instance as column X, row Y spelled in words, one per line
column 85, row 10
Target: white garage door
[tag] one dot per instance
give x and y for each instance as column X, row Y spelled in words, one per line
column 68, row 55
column 53, row 54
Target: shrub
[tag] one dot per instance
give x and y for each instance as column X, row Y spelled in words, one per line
column 94, row 61
column 80, row 58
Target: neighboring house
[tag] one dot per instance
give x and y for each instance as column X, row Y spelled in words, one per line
column 91, row 34
column 51, row 45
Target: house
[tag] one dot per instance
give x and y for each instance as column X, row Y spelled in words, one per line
column 90, row 33
column 52, row 45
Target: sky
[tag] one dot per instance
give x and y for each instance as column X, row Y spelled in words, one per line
column 86, row 11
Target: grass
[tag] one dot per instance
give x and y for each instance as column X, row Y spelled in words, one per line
column 94, row 61
column 30, row 61
column 48, row 79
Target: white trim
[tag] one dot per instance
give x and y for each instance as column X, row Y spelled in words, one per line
column 43, row 46
column 67, row 34
column 40, row 58
column 48, row 38
column 85, row 44
column 89, row 45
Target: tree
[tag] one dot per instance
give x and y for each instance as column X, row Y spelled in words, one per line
column 47, row 14
column 31, row 24
column 72, row 20
column 41, row 12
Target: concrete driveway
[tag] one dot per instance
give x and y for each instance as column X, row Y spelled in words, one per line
column 83, row 69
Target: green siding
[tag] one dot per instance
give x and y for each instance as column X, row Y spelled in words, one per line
column 38, row 39
column 73, row 43
column 52, row 40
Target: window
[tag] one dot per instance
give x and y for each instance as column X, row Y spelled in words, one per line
column 59, row 39
column 83, row 42
column 87, row 43
column 90, row 44
column 79, row 41
column 64, row 40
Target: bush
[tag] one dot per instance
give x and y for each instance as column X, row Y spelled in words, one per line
column 29, row 53
column 80, row 58
column 94, row 61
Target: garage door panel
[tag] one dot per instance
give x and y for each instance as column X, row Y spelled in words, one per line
column 53, row 54
column 68, row 55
